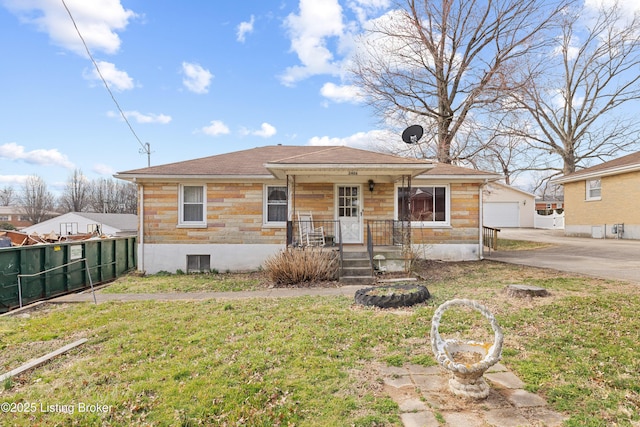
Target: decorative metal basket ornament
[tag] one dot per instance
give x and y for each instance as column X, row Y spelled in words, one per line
column 467, row 378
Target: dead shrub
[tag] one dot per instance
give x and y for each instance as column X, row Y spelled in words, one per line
column 301, row 265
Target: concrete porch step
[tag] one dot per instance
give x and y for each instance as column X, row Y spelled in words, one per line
column 356, row 269
column 357, row 280
column 363, row 271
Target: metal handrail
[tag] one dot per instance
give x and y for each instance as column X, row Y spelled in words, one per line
column 86, row 266
column 389, row 232
column 370, row 247
column 340, row 246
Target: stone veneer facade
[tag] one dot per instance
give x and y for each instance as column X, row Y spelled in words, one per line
column 237, row 238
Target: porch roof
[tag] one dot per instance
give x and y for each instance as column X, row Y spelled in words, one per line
column 343, row 161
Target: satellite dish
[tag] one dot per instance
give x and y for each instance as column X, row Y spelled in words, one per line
column 412, row 134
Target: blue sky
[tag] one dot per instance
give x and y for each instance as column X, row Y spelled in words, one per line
column 194, row 79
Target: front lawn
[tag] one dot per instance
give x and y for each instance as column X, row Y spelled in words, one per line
column 167, row 282
column 311, row 361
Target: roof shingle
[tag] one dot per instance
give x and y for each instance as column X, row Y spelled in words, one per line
column 629, row 161
column 252, row 161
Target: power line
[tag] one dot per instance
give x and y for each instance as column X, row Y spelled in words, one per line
column 146, row 147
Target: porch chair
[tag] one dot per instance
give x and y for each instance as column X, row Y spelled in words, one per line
column 309, row 234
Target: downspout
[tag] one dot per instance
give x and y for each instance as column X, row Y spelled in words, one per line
column 141, row 240
column 481, row 213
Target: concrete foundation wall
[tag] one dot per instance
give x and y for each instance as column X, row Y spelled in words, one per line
column 250, row 257
column 224, row 257
column 602, row 231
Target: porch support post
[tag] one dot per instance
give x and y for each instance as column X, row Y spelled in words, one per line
column 409, row 222
column 291, row 208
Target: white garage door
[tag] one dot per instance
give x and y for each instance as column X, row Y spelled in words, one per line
column 501, row 214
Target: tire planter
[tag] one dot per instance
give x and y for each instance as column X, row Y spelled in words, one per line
column 392, row 296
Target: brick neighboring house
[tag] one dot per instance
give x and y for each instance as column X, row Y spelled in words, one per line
column 603, row 201
column 232, row 211
column 14, row 215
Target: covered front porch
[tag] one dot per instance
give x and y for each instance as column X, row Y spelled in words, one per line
column 350, row 201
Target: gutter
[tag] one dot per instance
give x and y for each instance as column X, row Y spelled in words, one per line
column 580, row 176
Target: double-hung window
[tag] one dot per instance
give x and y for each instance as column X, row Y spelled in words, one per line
column 594, row 189
column 275, row 205
column 424, row 205
column 193, row 206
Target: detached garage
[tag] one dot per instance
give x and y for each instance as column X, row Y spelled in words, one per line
column 505, row 206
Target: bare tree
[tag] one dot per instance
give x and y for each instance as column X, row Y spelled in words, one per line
column 35, row 200
column 7, row 196
column 110, row 196
column 573, row 96
column 75, row 197
column 490, row 146
column 436, row 61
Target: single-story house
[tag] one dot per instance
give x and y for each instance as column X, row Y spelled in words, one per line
column 231, row 211
column 507, row 206
column 110, row 224
column 603, row 201
column 15, row 216
column 548, row 205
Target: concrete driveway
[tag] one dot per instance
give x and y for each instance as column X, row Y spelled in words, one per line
column 608, row 259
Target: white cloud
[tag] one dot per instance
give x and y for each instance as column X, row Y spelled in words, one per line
column 102, row 169
column 365, row 140
column 376, row 46
column 322, row 35
column 215, row 128
column 196, row 79
column 245, row 28
column 364, row 8
column 629, row 6
column 343, row 93
column 317, row 21
column 142, row 118
column 98, row 22
column 13, row 151
column 116, row 79
column 266, row 131
column 13, row 180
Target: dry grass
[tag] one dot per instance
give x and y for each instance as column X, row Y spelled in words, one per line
column 300, row 266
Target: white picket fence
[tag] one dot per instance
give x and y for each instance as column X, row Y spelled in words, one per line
column 554, row 221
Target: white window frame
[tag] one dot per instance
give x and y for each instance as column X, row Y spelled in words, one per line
column 428, row 224
column 192, row 224
column 265, row 206
column 589, row 195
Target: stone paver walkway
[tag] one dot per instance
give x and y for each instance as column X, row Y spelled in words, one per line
column 425, row 401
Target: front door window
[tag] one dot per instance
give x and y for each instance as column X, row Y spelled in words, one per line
column 350, row 213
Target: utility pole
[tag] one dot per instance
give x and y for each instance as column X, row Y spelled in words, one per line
column 147, row 150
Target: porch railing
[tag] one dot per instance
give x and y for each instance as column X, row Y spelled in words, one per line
column 378, row 232
column 330, row 231
column 370, row 247
column 389, row 232
column 490, row 238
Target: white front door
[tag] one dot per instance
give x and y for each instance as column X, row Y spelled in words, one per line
column 349, row 212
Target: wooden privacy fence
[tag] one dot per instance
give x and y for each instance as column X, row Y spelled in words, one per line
column 37, row 272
